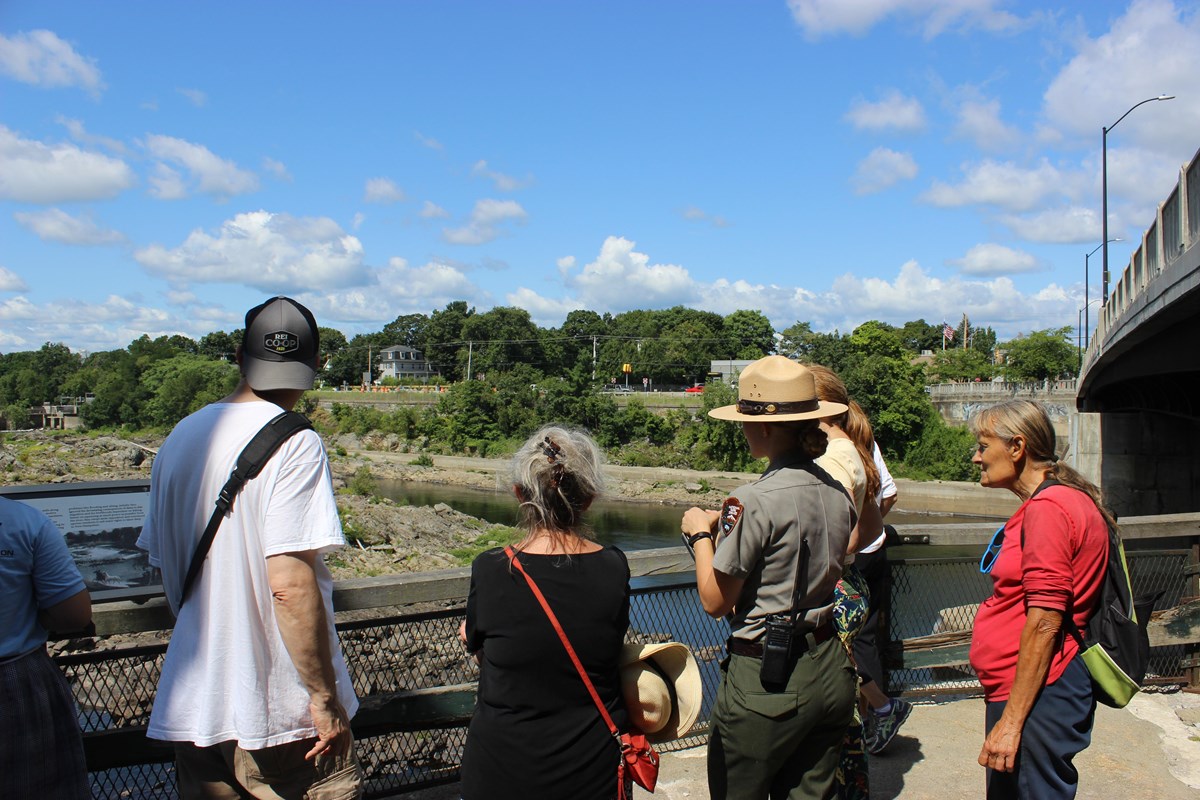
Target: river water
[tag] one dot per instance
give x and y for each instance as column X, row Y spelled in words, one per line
column 628, row 525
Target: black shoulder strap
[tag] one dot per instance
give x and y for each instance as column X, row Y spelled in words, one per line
column 251, row 461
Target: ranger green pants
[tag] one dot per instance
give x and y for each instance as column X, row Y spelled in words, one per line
column 781, row 744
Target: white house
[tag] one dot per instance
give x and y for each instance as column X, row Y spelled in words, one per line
column 403, row 362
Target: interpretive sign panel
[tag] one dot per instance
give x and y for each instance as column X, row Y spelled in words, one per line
column 101, row 522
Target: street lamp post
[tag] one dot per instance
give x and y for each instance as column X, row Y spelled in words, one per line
column 1104, row 185
column 1087, row 329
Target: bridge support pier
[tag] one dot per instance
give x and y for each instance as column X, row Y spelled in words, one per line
column 1146, row 462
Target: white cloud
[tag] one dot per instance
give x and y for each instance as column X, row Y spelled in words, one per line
column 382, row 190
column 55, row 225
column 565, row 265
column 180, row 298
column 994, row 259
column 827, row 17
column 979, row 122
column 700, row 215
column 1149, row 50
column 277, row 169
column 80, row 134
column 503, row 183
column 107, row 325
column 194, row 96
column 894, row 112
column 1006, row 185
column 431, row 143
column 359, row 219
column 33, row 172
column 394, row 289
column 210, row 173
column 432, row 210
column 271, row 252
column 622, row 278
column 166, row 183
column 883, row 168
column 485, row 220
column 1065, row 225
column 546, row 311
column 41, row 58
column 11, row 281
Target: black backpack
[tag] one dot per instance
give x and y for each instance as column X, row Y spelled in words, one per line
column 1115, row 647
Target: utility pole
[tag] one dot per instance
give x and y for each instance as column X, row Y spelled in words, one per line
column 593, row 357
column 470, row 353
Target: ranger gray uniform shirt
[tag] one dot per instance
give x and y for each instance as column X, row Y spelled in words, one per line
column 764, row 524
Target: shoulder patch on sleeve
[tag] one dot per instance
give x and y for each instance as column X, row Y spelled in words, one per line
column 731, row 512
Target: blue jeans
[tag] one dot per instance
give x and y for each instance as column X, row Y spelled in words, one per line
column 1058, row 728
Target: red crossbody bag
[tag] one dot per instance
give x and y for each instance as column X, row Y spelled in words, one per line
column 637, row 756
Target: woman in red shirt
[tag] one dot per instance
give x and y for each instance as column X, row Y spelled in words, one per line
column 1046, row 562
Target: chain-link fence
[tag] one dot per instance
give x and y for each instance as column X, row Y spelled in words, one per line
column 942, row 595
column 419, row 651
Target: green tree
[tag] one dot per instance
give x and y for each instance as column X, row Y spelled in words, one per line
column 943, row 452
column 919, row 335
column 443, row 339
column 960, row 365
column 183, row 384
column 498, row 340
column 983, row 340
column 877, row 338
column 720, row 443
column 796, row 341
column 748, row 335
column 581, row 331
column 407, row 330
column 1041, row 355
column 217, row 345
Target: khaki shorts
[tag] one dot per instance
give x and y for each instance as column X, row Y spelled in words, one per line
column 227, row 772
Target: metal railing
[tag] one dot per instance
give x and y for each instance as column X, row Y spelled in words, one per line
column 405, row 654
column 946, row 391
column 1174, row 230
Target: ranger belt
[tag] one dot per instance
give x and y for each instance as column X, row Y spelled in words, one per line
column 800, row 642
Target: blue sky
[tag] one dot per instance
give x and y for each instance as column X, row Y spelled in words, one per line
column 164, row 166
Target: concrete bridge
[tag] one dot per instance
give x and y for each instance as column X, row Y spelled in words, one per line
column 1138, row 430
column 958, row 402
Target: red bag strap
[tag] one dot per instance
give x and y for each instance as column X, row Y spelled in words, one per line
column 512, row 556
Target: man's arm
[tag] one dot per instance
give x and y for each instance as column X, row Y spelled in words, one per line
column 300, row 615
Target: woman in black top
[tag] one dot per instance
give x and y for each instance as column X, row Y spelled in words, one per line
column 536, row 731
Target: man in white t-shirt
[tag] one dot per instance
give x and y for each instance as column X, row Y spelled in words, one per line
column 254, row 691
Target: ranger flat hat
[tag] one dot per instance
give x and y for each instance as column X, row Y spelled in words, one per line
column 662, row 688
column 281, row 344
column 777, row 389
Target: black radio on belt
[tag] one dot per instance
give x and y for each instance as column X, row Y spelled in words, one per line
column 777, row 649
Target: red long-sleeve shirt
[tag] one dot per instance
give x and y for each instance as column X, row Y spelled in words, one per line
column 1060, row 567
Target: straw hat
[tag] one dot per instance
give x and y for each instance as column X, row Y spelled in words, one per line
column 777, row 389
column 661, row 685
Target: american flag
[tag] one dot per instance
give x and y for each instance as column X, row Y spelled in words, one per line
column 947, row 331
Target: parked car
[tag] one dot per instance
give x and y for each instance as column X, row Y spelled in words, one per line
column 697, row 389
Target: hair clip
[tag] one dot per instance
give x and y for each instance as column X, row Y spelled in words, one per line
column 551, row 450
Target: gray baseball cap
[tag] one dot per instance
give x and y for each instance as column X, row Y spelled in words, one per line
column 281, row 345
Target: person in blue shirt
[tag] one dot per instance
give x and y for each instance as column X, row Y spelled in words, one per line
column 41, row 590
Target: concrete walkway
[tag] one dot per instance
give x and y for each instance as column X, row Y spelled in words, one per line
column 1147, row 751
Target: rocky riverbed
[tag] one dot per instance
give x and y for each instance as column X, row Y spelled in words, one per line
column 388, row 537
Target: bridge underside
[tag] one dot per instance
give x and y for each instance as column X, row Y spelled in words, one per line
column 1139, row 426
